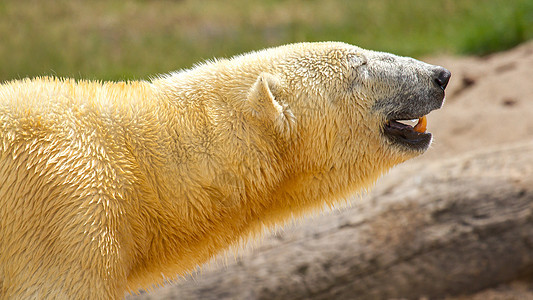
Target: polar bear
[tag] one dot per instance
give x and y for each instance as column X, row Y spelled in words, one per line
column 109, row 187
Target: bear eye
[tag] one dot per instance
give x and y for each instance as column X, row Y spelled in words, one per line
column 362, row 62
column 357, row 60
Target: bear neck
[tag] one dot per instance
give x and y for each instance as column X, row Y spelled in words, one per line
column 221, row 178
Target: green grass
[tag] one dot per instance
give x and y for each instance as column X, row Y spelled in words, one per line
column 120, row 40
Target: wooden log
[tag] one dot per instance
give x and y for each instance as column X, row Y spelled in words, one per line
column 428, row 230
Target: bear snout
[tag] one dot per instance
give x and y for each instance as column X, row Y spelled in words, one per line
column 442, row 77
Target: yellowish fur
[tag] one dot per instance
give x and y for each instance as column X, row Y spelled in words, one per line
column 110, row 187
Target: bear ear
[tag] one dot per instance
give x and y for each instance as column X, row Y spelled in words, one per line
column 263, row 99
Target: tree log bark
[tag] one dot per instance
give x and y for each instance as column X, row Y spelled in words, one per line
column 427, row 230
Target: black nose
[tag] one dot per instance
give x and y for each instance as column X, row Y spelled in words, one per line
column 442, row 77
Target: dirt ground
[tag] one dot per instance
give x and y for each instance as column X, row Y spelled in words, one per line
column 489, row 103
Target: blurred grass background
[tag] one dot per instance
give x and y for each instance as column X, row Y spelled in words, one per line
column 119, row 40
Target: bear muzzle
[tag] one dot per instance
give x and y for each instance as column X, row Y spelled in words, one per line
column 415, row 137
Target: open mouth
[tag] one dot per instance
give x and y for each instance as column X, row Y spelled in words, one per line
column 407, row 133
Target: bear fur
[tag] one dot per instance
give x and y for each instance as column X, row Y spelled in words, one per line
column 110, row 187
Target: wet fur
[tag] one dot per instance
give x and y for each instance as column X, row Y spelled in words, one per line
column 106, row 187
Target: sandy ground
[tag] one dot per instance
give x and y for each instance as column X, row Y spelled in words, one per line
column 489, row 103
